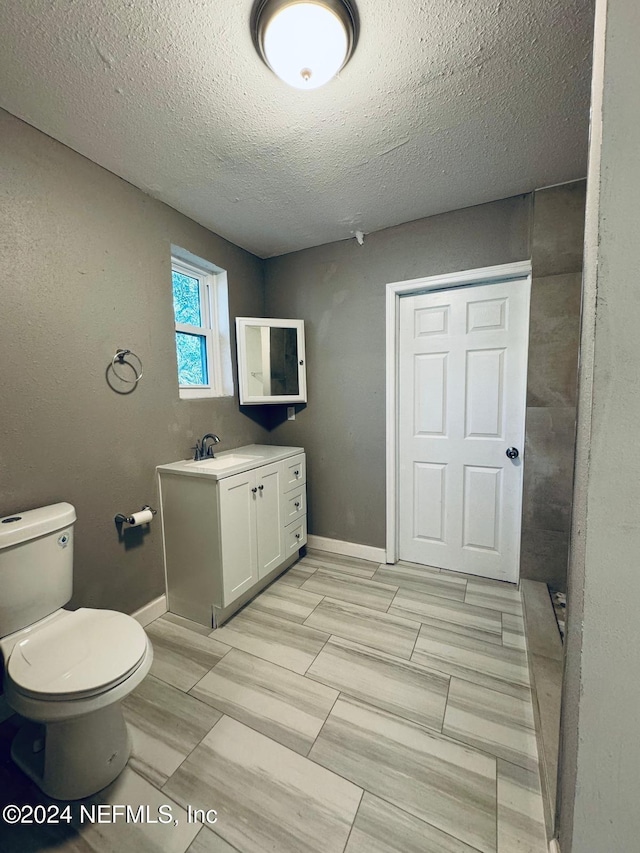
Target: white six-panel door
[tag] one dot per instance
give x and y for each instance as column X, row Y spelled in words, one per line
column 461, row 406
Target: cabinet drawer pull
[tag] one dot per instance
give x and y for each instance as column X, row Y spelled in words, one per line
column 297, row 535
column 261, row 487
column 296, row 473
column 254, row 491
column 297, row 504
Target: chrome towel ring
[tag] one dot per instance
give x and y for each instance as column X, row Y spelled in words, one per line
column 121, row 358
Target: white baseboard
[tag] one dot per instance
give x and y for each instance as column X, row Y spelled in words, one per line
column 347, row 549
column 151, row 611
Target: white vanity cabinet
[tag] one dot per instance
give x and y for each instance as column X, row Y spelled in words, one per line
column 251, row 526
column 230, row 525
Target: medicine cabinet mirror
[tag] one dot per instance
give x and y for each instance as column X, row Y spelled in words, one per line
column 271, row 361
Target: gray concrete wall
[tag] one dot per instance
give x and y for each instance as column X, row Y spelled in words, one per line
column 85, row 263
column 600, row 741
column 339, row 290
column 556, row 257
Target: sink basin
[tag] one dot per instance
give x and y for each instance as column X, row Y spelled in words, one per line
column 219, row 463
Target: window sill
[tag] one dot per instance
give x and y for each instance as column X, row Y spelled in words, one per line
column 202, row 394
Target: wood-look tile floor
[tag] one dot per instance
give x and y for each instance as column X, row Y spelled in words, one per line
column 349, row 708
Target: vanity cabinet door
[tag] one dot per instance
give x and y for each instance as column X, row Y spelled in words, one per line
column 238, row 502
column 269, row 521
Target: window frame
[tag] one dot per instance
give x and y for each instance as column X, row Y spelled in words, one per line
column 214, row 317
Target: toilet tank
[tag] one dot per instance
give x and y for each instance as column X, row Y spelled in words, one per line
column 36, row 564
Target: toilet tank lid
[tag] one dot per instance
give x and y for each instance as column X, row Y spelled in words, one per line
column 20, row 527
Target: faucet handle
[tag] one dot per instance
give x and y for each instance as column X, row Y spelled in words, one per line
column 197, row 451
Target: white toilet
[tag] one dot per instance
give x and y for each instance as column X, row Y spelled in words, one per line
column 64, row 671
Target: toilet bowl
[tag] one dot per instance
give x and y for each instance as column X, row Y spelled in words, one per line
column 67, row 672
column 67, row 675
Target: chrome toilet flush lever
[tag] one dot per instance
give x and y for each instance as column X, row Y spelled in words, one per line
column 202, row 450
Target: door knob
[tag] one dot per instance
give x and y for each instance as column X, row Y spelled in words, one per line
column 513, row 452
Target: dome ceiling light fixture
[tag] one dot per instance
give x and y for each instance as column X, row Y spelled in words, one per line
column 305, row 42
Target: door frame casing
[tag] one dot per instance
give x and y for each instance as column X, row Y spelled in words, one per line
column 394, row 292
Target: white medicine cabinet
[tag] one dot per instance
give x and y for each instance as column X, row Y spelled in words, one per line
column 271, row 361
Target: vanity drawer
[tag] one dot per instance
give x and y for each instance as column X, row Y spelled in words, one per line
column 294, row 504
column 295, row 472
column 295, row 536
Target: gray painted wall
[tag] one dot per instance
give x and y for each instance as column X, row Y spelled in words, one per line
column 85, row 269
column 339, row 290
column 88, row 256
column 556, row 257
column 600, row 740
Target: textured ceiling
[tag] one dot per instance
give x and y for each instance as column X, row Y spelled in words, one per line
column 445, row 104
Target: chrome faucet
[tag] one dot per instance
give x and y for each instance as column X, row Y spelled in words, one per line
column 204, row 450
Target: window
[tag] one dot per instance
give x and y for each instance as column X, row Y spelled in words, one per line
column 201, row 310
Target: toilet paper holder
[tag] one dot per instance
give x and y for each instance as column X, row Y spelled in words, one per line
column 121, row 518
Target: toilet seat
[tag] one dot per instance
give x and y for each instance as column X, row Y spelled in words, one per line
column 84, row 654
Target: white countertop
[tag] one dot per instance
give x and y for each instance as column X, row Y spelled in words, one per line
column 230, row 462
